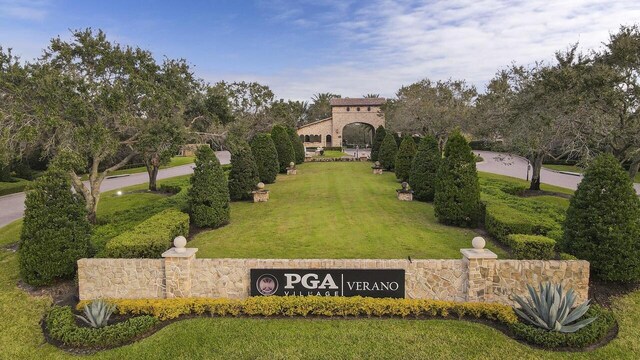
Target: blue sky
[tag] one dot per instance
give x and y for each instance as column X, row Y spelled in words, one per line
column 299, row 48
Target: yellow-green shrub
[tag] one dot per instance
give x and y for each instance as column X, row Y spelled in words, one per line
column 165, row 309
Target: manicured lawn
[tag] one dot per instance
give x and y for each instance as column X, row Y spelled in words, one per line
column 17, row 186
column 175, row 161
column 332, row 154
column 579, row 170
column 334, row 210
column 544, row 187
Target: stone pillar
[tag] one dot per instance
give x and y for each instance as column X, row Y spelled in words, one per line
column 177, row 269
column 481, row 264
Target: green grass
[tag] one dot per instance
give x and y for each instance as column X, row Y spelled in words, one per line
column 576, row 169
column 334, row 210
column 332, row 154
column 175, row 161
column 17, row 186
column 545, row 187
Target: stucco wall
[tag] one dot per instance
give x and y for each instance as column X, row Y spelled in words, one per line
column 485, row 280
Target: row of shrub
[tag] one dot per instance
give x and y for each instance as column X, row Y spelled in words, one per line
column 62, row 327
column 165, row 309
column 150, row 238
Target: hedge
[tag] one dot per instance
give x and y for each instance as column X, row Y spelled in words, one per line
column 284, row 147
column 150, row 238
column 586, row 336
column 165, row 309
column 209, row 191
column 62, row 327
column 266, row 157
column 532, row 246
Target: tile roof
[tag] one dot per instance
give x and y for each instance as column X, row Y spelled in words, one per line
column 357, row 101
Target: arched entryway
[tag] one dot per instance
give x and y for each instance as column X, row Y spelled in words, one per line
column 358, row 134
column 328, row 140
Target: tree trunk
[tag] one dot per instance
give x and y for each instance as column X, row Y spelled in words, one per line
column 152, row 170
column 633, row 169
column 536, row 166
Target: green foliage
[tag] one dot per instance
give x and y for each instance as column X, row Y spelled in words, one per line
column 5, row 173
column 565, row 256
column 97, row 313
column 150, row 238
column 603, row 222
column 457, row 194
column 588, row 335
column 424, row 168
column 12, row 187
column 404, row 158
column 266, row 157
column 298, row 146
column 551, row 309
column 284, row 148
column 243, row 177
column 531, row 246
column 209, row 192
column 377, row 142
column 55, row 232
column 62, row 327
column 388, row 150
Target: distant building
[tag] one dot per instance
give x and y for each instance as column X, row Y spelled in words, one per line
column 344, row 111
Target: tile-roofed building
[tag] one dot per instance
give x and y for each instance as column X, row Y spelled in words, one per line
column 357, row 101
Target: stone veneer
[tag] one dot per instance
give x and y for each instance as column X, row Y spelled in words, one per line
column 475, row 277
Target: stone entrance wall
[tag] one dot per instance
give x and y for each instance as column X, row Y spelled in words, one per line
column 477, row 277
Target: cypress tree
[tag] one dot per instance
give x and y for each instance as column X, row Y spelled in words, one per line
column 388, row 150
column 243, row 176
column 404, row 158
column 209, row 192
column 603, row 222
column 377, row 142
column 284, row 148
column 55, row 232
column 424, row 168
column 298, row 146
column 266, row 157
column 457, row 197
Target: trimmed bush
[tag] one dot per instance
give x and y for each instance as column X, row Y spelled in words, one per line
column 165, row 309
column 388, row 150
column 404, row 158
column 284, row 148
column 298, row 146
column 209, row 192
column 424, row 167
column 266, row 157
column 62, row 327
column 584, row 337
column 243, row 177
column 603, row 222
column 377, row 142
column 457, row 195
column 150, row 238
column 55, row 232
column 532, row 246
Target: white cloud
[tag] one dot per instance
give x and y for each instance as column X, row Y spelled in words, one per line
column 33, row 10
column 389, row 43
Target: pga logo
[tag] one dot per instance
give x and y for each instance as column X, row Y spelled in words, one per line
column 310, row 281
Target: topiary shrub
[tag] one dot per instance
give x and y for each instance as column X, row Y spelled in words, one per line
column 55, row 232
column 150, row 238
column 243, row 176
column 531, row 246
column 388, row 150
column 284, row 148
column 422, row 177
column 209, row 192
column 404, row 158
column 377, row 142
column 603, row 222
column 298, row 146
column 457, row 197
column 266, row 157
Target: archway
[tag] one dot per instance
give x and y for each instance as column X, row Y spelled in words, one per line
column 328, row 140
column 358, row 134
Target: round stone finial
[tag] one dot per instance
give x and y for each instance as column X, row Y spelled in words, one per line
column 377, row 163
column 404, row 185
column 179, row 243
column 260, row 185
column 478, row 243
column 291, row 164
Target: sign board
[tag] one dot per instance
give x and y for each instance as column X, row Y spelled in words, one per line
column 328, row 282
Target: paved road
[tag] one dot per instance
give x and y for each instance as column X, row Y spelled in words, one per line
column 12, row 206
column 516, row 166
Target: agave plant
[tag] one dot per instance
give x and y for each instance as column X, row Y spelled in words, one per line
column 553, row 310
column 97, row 313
